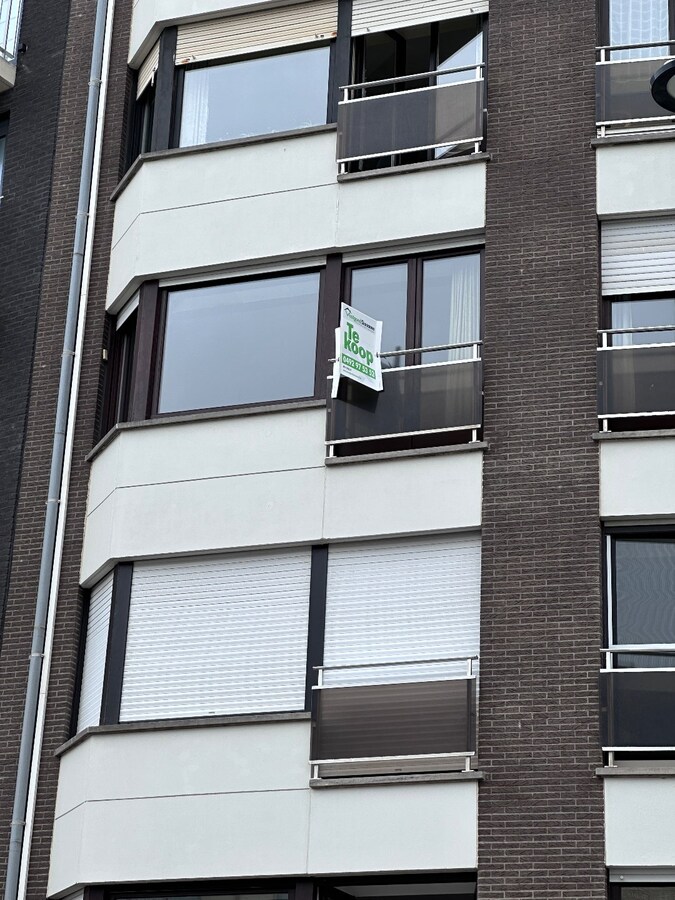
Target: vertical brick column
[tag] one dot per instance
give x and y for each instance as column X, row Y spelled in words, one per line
column 541, row 808
column 41, row 410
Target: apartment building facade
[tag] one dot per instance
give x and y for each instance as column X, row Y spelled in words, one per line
column 313, row 642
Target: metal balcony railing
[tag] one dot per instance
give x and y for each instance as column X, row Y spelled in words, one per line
column 636, row 379
column 398, row 116
column 389, row 718
column 10, row 19
column 624, row 103
column 434, row 398
column 637, row 699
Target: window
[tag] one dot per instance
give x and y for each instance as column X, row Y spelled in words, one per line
column 240, row 343
column 630, row 314
column 442, row 887
column 120, row 368
column 644, row 892
column 638, row 22
column 255, row 96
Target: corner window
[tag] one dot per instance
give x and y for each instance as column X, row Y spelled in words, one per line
column 240, row 343
column 256, row 96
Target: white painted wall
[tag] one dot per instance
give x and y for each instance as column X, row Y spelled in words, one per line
column 637, row 478
column 640, row 821
column 257, row 481
column 199, row 212
column 632, row 179
column 234, row 801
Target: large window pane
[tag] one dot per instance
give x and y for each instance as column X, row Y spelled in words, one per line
column 451, row 305
column 382, row 293
column 256, row 96
column 233, row 344
column 644, row 592
column 638, row 22
column 639, row 313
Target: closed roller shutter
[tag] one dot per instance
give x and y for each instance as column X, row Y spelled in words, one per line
column 217, row 636
column 146, row 73
column 402, row 600
column 379, row 15
column 638, row 255
column 91, row 691
column 257, row 31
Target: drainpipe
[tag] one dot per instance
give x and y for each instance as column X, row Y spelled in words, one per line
column 59, row 478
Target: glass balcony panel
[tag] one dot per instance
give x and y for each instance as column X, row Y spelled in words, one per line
column 10, row 20
column 414, row 719
column 414, row 400
column 623, row 95
column 638, row 708
column 636, row 380
column 426, row 118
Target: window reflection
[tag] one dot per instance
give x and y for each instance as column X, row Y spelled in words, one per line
column 255, row 96
column 643, row 313
column 240, row 343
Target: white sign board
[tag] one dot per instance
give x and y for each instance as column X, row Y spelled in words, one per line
column 358, row 345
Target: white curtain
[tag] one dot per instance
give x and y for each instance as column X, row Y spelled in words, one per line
column 195, row 114
column 638, row 22
column 464, row 302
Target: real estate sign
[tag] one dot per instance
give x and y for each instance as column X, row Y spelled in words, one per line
column 358, row 345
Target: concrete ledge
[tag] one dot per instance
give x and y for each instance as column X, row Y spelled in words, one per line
column 665, row 771
column 633, row 435
column 633, row 138
column 372, row 781
column 172, row 724
column 398, row 454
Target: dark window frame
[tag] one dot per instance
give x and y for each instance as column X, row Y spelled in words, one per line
column 609, row 299
column 616, row 890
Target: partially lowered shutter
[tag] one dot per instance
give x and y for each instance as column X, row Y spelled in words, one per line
column 257, row 31
column 146, row 73
column 93, row 670
column 638, row 255
column 399, row 601
column 380, row 15
column 217, row 636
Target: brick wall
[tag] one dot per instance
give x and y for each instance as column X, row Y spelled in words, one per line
column 33, row 489
column 541, row 808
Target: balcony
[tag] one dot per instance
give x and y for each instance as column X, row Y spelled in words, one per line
column 10, row 20
column 636, row 380
column 422, row 404
column 638, row 702
column 396, row 121
column 624, row 103
column 393, row 718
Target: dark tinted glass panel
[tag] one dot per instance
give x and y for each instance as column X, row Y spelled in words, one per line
column 460, row 43
column 234, row 344
column 638, row 708
column 653, row 892
column 382, row 293
column 636, row 313
column 635, row 380
column 249, row 896
column 393, row 54
column 450, row 305
column 644, row 591
column 256, row 96
column 637, row 22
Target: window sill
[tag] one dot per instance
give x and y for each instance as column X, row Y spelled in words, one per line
column 173, row 724
column 664, row 771
column 642, row 138
column 633, row 435
column 202, row 416
column 377, row 780
column 415, row 167
column 217, row 145
column 399, row 454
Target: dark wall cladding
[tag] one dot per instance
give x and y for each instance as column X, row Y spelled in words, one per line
column 541, row 807
column 33, row 107
column 59, row 219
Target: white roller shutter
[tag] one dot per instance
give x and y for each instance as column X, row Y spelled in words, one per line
column 217, row 636
column 402, row 600
column 146, row 73
column 257, row 31
column 91, row 691
column 379, row 15
column 638, row 255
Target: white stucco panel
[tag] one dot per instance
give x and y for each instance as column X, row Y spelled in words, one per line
column 630, row 179
column 637, row 478
column 640, row 821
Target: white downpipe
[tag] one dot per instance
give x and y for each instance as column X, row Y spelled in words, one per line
column 67, row 463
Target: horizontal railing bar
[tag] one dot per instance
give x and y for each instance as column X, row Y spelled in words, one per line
column 637, row 346
column 390, row 370
column 639, row 669
column 641, row 329
column 638, row 749
column 639, row 648
column 460, row 754
column 379, row 665
column 402, row 79
column 636, row 121
column 379, row 684
column 397, row 434
column 664, row 43
column 634, row 415
column 435, row 349
column 409, row 93
column 451, row 142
